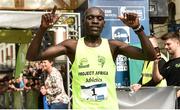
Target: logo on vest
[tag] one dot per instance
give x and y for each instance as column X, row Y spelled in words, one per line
column 177, row 65
column 101, row 61
column 83, row 63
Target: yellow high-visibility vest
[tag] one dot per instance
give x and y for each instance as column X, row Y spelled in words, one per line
column 147, row 73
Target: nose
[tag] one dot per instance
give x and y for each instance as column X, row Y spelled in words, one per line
column 166, row 47
column 95, row 20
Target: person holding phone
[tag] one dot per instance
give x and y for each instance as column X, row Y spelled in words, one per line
column 150, row 67
column 170, row 71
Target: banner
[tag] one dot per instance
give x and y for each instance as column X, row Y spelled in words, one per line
column 20, row 19
column 147, row 98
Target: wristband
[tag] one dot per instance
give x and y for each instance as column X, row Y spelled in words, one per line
column 139, row 28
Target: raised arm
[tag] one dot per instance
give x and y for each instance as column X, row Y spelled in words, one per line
column 33, row 52
column 147, row 52
column 157, row 77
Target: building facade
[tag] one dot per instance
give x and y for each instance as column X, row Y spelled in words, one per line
column 7, row 54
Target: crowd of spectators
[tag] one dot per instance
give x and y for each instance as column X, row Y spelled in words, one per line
column 31, row 78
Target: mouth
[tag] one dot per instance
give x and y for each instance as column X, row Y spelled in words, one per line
column 94, row 28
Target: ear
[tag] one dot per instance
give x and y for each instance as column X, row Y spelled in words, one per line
column 178, row 42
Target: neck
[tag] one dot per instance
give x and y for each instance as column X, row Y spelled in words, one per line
column 176, row 54
column 92, row 41
column 91, row 38
column 49, row 70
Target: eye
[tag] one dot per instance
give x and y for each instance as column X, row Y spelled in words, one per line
column 100, row 18
column 89, row 17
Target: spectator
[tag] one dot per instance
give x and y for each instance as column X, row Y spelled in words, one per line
column 19, row 85
column 151, row 66
column 54, row 88
column 44, row 99
column 170, row 71
column 26, row 82
column 93, row 57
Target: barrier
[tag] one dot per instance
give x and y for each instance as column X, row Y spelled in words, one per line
column 145, row 98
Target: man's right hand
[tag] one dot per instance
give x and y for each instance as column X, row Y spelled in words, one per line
column 48, row 19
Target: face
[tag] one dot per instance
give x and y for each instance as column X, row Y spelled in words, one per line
column 46, row 65
column 94, row 21
column 25, row 80
column 18, row 80
column 171, row 45
column 43, row 90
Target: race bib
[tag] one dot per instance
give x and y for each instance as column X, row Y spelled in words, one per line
column 94, row 91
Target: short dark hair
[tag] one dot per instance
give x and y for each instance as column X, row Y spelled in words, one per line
column 50, row 60
column 171, row 35
column 86, row 11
